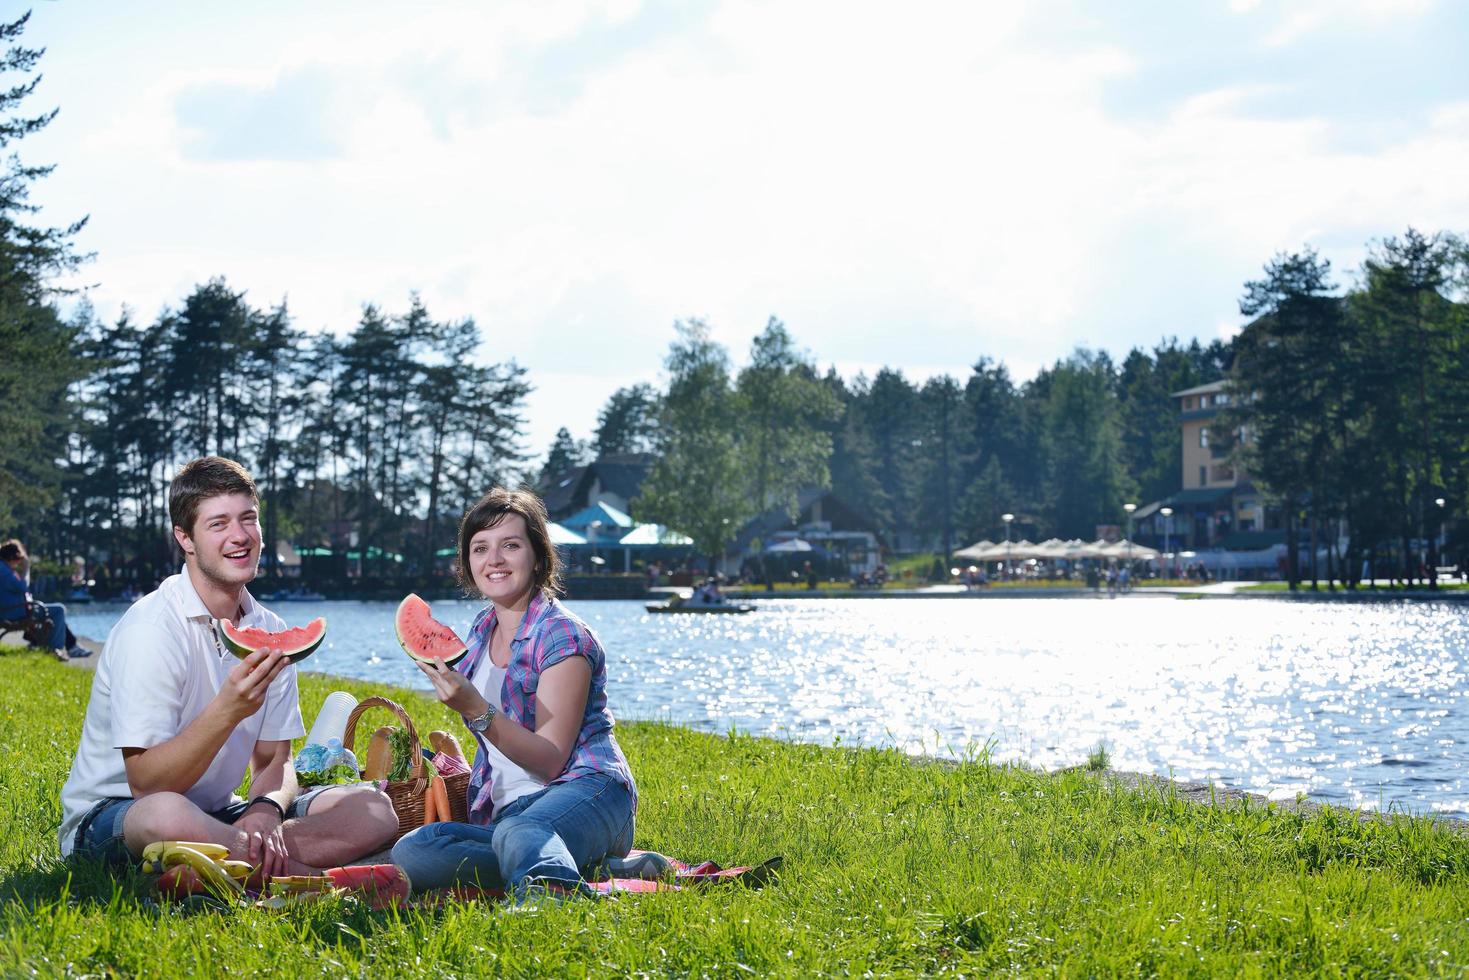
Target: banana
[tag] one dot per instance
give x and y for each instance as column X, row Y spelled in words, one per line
column 154, row 851
column 238, row 870
column 210, row 872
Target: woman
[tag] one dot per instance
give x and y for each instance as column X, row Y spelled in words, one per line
column 551, row 792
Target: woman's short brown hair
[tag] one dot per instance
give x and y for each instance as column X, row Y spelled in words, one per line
column 493, row 508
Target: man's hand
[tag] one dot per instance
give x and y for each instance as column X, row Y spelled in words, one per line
column 265, row 842
column 455, row 690
column 244, row 690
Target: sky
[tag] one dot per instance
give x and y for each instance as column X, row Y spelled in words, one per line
column 906, row 185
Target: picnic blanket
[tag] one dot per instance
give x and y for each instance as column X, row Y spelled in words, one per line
column 385, row 885
column 647, row 871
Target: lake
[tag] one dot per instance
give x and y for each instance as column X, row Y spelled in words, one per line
column 1359, row 704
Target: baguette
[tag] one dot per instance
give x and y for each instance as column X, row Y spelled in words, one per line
column 379, row 755
column 447, row 744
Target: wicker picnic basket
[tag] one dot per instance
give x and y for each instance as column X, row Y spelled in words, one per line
column 408, row 794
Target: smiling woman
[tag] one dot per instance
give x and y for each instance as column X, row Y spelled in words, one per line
column 551, row 791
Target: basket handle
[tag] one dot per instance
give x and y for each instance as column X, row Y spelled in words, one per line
column 349, row 737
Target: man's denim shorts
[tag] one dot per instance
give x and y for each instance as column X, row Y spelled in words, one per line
column 99, row 835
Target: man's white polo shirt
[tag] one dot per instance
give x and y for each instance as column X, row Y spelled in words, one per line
column 158, row 670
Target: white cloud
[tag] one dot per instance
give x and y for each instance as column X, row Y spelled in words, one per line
column 1298, row 19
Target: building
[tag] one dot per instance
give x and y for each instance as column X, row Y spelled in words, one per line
column 837, row 534
column 610, row 480
column 1217, row 505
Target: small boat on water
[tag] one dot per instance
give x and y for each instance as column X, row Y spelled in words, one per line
column 686, row 606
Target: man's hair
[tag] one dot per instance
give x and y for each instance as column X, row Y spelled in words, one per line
column 12, row 549
column 200, row 479
column 493, row 508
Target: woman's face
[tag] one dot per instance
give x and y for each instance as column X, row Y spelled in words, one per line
column 503, row 562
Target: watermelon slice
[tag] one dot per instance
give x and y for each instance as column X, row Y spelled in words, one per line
column 298, row 642
column 424, row 638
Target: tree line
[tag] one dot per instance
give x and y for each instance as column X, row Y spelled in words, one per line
column 1354, row 407
column 380, row 437
column 930, row 464
column 1349, row 410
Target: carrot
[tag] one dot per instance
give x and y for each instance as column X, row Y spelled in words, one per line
column 441, row 798
column 430, row 802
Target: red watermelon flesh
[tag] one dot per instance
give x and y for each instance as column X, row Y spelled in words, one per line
column 297, row 642
column 424, row 638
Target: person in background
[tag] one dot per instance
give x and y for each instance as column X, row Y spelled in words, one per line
column 551, row 792
column 15, row 600
column 174, row 720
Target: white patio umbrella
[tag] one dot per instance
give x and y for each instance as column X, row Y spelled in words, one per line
column 1052, row 549
column 975, row 551
column 1014, row 550
column 789, row 545
column 1126, row 549
column 1094, row 549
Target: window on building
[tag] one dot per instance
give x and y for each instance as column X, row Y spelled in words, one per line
column 1204, row 437
column 1203, row 475
column 1221, row 399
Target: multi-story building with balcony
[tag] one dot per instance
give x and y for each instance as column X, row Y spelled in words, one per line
column 1218, row 506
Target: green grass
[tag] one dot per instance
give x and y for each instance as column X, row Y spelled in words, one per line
column 892, row 867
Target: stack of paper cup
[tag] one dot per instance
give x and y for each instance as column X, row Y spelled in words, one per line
column 331, row 720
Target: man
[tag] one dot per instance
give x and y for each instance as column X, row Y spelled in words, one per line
column 174, row 720
column 15, row 599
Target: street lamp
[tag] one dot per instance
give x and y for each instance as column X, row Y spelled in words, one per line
column 1167, row 513
column 1129, row 508
column 1007, row 518
column 1438, row 542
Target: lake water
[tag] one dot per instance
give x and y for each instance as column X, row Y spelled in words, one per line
column 1359, row 704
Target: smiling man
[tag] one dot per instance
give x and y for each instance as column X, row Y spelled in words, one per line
column 174, row 721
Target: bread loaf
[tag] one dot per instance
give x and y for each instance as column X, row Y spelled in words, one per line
column 379, row 754
column 447, row 744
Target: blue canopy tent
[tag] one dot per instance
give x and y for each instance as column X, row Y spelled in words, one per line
column 604, row 528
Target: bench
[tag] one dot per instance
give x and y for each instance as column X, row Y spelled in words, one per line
column 35, row 628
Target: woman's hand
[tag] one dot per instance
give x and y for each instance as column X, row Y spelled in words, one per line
column 455, row 690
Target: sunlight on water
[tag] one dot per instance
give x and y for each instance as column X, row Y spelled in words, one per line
column 1354, row 704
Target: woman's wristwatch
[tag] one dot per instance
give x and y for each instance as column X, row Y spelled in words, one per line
column 482, row 723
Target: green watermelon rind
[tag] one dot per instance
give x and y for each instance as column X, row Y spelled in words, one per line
column 223, row 628
column 410, row 603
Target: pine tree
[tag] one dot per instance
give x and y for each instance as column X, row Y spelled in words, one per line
column 40, row 360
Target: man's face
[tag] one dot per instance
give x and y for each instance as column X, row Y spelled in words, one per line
column 225, row 544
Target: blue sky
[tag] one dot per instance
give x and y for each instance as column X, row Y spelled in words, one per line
column 913, row 186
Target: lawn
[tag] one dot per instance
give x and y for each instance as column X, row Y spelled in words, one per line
column 892, row 867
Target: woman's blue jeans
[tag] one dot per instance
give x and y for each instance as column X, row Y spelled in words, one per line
column 545, row 836
column 59, row 639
